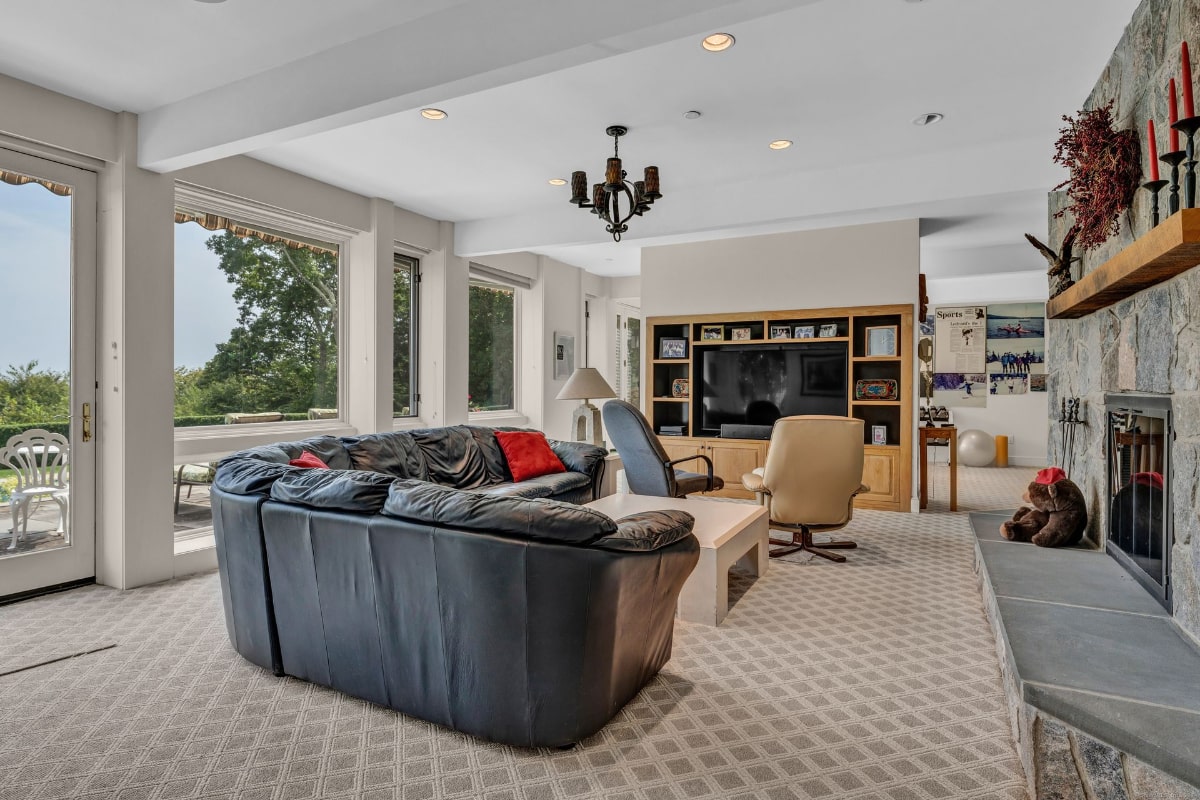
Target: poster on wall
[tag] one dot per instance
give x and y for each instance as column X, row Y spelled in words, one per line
column 1013, row 383
column 1016, row 348
column 564, row 355
column 960, row 340
column 961, row 389
column 1016, row 321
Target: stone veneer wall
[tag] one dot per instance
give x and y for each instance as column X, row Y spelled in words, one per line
column 1151, row 341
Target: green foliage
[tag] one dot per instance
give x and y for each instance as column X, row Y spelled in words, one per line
column 28, row 394
column 402, row 319
column 11, row 429
column 491, row 339
column 282, row 356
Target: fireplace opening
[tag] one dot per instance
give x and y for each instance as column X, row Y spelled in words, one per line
column 1139, row 470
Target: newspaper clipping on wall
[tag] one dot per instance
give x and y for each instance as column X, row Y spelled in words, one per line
column 960, row 340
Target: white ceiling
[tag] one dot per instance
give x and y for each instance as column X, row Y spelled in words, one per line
column 332, row 90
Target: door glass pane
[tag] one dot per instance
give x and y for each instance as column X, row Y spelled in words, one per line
column 35, row 363
column 404, row 337
column 633, row 361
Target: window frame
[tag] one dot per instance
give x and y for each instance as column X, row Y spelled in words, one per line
column 209, row 442
column 414, row 337
column 500, row 415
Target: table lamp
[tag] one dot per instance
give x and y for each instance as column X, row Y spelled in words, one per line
column 586, row 383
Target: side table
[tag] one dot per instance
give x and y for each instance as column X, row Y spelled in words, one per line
column 949, row 435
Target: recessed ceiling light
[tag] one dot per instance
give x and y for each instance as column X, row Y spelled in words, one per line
column 780, row 144
column 717, row 42
column 433, row 113
column 210, row 2
column 929, row 118
column 692, row 115
column 557, row 182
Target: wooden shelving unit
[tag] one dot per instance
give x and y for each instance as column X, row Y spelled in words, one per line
column 1169, row 249
column 887, row 468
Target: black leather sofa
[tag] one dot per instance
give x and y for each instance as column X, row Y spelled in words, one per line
column 416, row 575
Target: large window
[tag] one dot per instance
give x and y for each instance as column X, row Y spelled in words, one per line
column 492, row 342
column 404, row 336
column 256, row 323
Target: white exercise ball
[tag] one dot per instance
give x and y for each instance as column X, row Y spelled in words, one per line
column 976, row 448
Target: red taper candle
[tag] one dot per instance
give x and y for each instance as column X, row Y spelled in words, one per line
column 1153, row 150
column 1172, row 115
column 1189, row 108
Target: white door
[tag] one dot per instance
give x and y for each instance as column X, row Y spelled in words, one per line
column 47, row 373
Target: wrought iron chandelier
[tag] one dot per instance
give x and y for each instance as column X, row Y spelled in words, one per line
column 607, row 200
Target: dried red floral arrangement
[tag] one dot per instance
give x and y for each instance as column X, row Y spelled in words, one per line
column 1105, row 171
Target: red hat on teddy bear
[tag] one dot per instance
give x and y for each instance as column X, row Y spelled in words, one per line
column 1049, row 475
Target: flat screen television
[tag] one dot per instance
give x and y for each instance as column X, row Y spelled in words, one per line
column 757, row 384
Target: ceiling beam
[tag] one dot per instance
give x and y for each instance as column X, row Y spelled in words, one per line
column 468, row 47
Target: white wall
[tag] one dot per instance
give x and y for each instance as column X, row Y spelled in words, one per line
column 860, row 265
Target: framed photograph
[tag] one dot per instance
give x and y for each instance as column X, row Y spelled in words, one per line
column 828, row 330
column 739, row 334
column 879, row 434
column 712, row 333
column 564, row 355
column 781, row 331
column 881, row 340
column 669, row 347
column 679, row 387
column 804, row 332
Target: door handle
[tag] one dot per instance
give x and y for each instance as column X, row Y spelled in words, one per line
column 87, row 422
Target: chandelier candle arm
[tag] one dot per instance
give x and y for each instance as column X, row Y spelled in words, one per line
column 606, row 197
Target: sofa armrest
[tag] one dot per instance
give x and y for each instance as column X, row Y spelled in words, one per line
column 582, row 457
column 648, row 530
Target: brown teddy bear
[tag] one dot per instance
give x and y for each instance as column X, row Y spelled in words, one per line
column 1058, row 516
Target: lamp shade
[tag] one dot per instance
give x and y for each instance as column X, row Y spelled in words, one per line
column 585, row 384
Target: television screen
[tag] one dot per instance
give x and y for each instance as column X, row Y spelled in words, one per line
column 757, row 384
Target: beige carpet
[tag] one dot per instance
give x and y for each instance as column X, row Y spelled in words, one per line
column 871, row 679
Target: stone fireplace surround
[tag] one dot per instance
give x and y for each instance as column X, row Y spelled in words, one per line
column 1112, row 711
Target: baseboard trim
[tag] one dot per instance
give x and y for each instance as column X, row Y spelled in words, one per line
column 55, row 589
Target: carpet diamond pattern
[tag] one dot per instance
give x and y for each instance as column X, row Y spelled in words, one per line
column 875, row 679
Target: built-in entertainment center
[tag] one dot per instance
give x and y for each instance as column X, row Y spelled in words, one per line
column 719, row 381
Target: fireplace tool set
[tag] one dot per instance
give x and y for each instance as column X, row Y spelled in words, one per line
column 1069, row 419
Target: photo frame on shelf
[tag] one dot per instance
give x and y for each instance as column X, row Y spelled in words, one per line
column 712, row 333
column 828, row 331
column 881, row 341
column 739, row 334
column 671, row 347
column 781, row 331
column 805, row 332
column 879, row 434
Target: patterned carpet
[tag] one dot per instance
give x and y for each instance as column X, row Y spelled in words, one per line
column 875, row 679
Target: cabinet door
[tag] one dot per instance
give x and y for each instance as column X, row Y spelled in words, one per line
column 677, row 447
column 881, row 471
column 731, row 460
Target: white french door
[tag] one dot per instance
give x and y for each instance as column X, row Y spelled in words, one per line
column 47, row 373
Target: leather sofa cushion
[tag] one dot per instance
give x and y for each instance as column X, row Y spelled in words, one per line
column 519, row 517
column 342, row 490
column 453, row 457
column 648, row 530
column 543, row 486
column 394, row 453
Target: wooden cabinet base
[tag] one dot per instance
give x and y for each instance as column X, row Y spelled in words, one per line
column 883, row 471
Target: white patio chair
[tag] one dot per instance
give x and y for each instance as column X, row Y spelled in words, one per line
column 39, row 459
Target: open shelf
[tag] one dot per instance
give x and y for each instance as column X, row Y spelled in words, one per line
column 1171, row 248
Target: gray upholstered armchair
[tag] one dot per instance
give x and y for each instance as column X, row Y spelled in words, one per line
column 647, row 467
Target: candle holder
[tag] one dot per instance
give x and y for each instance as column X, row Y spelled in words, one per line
column 1154, row 187
column 1188, row 126
column 1173, row 159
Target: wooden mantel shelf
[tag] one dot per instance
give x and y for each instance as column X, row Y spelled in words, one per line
column 1171, row 248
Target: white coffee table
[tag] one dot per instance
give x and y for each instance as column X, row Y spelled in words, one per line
column 728, row 532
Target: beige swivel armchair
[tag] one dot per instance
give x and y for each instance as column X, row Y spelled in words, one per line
column 814, row 469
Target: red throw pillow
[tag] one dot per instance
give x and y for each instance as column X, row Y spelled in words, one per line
column 308, row 461
column 528, row 454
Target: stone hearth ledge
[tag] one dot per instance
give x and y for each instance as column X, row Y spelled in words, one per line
column 1073, row 631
